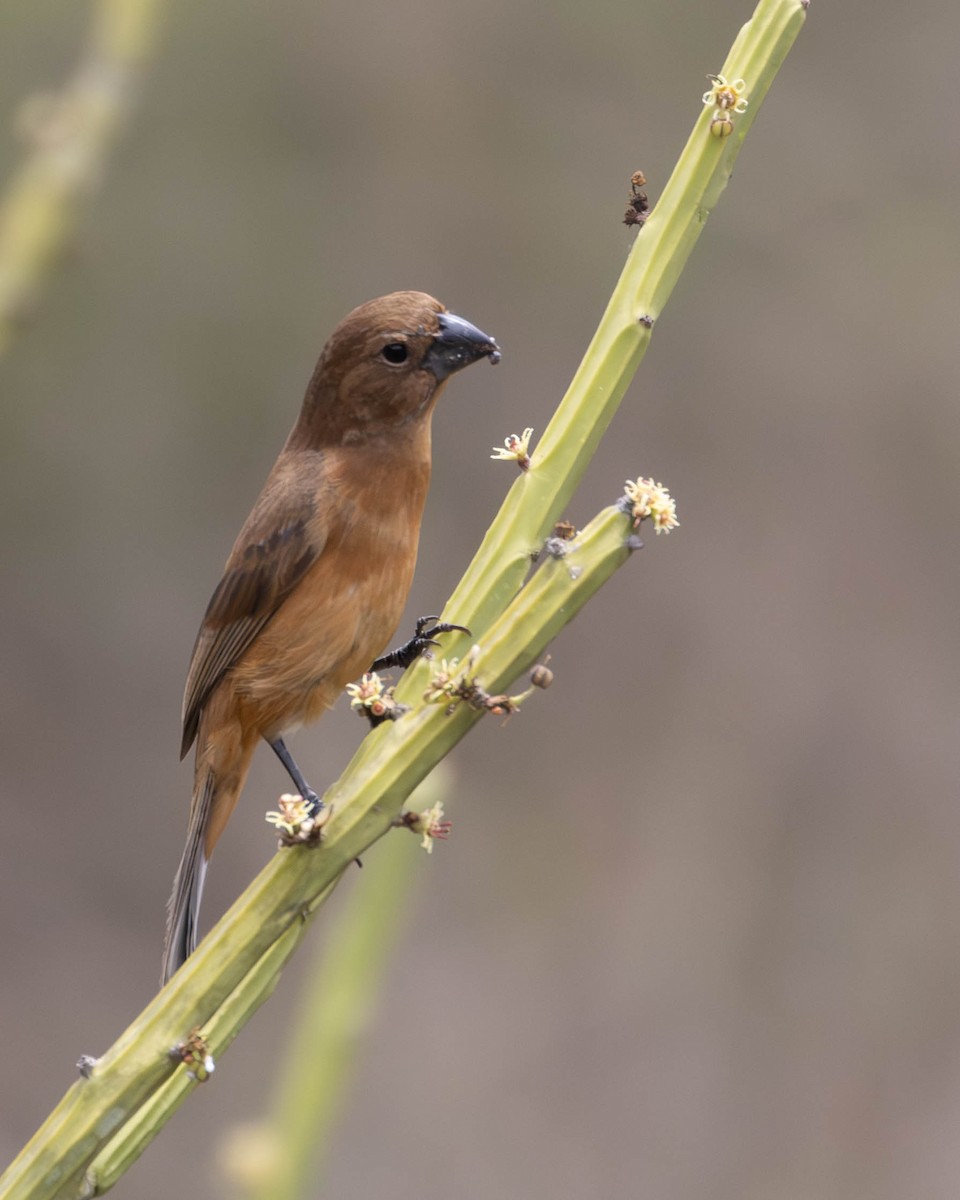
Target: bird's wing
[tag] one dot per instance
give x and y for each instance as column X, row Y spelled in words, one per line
column 281, row 540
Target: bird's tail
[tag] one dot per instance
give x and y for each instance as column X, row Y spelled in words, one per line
column 183, row 908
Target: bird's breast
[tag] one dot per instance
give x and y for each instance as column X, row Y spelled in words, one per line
column 348, row 605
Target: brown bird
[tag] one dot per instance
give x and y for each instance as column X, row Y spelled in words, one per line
column 317, row 580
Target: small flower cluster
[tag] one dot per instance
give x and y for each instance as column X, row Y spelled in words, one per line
column 195, row 1056
column 515, row 448
column 648, row 499
column 459, row 685
column 445, row 682
column 726, row 98
column 371, row 698
column 638, row 203
column 430, row 823
column 297, row 821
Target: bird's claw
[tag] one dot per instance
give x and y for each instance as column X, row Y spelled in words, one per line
column 313, row 804
column 424, row 636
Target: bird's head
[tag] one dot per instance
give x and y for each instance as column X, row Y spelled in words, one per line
column 384, row 366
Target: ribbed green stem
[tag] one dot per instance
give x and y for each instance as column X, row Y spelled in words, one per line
column 540, row 496
column 334, row 1011
column 222, row 1027
column 236, row 966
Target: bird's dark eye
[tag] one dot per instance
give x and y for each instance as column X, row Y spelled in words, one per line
column 395, row 353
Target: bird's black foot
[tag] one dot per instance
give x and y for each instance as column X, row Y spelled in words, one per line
column 310, row 798
column 313, row 802
column 423, row 638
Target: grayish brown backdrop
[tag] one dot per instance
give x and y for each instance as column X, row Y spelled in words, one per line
column 698, row 932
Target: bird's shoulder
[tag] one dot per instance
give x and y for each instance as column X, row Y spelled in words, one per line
column 284, row 534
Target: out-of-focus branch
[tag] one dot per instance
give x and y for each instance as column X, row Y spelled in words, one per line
column 69, row 133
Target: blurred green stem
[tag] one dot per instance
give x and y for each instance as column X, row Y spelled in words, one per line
column 100, row 1125
column 70, row 134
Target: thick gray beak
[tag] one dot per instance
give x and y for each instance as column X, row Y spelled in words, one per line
column 457, row 345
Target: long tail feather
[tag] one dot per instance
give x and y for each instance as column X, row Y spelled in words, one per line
column 183, row 908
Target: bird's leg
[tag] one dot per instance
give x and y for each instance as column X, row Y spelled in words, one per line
column 310, row 797
column 423, row 638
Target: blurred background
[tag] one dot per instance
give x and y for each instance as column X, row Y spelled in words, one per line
column 697, row 933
